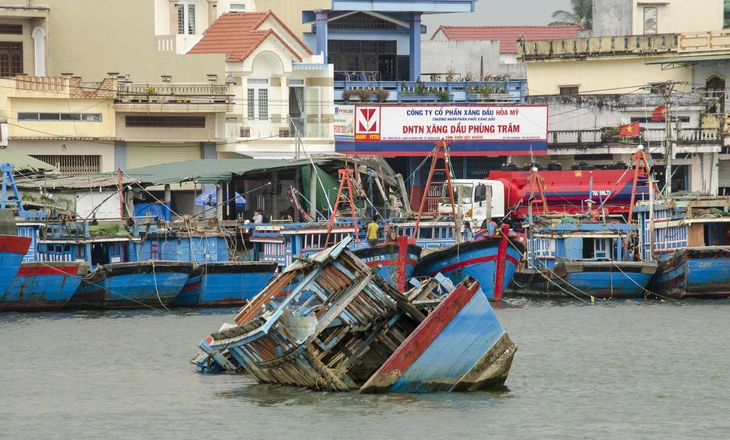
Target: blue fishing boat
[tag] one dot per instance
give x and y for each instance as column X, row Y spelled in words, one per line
column 690, row 236
column 224, row 284
column 491, row 260
column 396, row 262
column 43, row 286
column 343, row 322
column 214, row 280
column 581, row 258
column 12, row 250
column 114, row 281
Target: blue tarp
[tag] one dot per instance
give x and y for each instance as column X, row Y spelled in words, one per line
column 209, row 198
column 161, row 210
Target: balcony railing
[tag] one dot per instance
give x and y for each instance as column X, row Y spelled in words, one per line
column 596, row 46
column 175, row 93
column 716, row 40
column 508, row 91
column 597, row 137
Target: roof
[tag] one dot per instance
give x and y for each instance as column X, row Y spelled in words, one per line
column 198, row 170
column 22, row 162
column 688, row 60
column 508, row 35
column 237, row 34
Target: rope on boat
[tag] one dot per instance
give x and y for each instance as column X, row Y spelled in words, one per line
column 157, row 290
column 99, row 286
column 646, row 291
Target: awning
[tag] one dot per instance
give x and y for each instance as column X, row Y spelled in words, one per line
column 306, row 66
column 688, row 60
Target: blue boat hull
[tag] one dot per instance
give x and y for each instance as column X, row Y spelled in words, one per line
column 476, row 258
column 697, row 272
column 386, row 256
column 598, row 279
column 460, row 346
column 12, row 250
column 131, row 285
column 225, row 284
column 42, row 286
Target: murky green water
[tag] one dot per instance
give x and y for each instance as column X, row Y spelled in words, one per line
column 613, row 370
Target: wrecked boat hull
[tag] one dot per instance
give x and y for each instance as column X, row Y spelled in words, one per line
column 42, row 286
column 460, row 346
column 343, row 324
column 225, row 284
column 694, row 272
column 131, row 285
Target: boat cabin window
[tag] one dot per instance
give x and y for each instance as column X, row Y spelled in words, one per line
column 597, row 248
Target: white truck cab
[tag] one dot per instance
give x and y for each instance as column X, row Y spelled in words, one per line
column 480, row 201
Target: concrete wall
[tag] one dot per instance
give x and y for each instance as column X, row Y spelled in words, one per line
column 605, row 75
column 465, row 57
column 612, row 17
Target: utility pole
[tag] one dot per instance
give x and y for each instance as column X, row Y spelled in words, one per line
column 668, row 146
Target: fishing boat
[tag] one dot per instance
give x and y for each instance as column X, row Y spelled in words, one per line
column 12, row 250
column 395, row 262
column 224, row 284
column 344, row 328
column 214, row 279
column 43, row 286
column 113, row 281
column 491, row 259
column 689, row 234
column 581, row 258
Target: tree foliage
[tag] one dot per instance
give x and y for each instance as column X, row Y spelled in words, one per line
column 582, row 14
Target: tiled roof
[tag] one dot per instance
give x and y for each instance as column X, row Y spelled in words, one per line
column 238, row 34
column 508, row 35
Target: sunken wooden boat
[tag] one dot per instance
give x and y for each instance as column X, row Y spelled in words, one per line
column 43, row 286
column 344, row 328
column 137, row 284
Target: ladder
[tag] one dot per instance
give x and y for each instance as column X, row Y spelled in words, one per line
column 441, row 165
column 642, row 174
column 344, row 199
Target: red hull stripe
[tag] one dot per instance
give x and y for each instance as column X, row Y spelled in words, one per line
column 409, row 262
column 461, row 264
column 191, row 287
column 422, row 337
column 49, row 270
column 14, row 244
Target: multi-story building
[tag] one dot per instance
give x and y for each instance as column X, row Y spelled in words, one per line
column 640, row 57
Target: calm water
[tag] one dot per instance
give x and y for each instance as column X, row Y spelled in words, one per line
column 613, row 370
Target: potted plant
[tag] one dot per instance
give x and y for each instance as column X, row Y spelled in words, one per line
column 422, row 93
column 356, row 95
column 450, row 72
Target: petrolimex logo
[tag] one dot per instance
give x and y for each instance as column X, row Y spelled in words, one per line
column 367, row 123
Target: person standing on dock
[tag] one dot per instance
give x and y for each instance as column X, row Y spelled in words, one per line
column 373, row 232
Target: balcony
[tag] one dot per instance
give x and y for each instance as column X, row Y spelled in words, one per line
column 175, row 93
column 608, row 137
column 502, row 92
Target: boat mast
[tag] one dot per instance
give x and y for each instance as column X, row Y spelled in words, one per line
column 430, row 202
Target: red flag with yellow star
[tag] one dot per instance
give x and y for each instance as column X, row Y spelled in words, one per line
column 629, row 130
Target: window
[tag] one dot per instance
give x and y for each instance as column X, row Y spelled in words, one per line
column 238, row 7
column 72, row 164
column 258, row 98
column 185, row 18
column 87, row 117
column 11, row 29
column 568, row 90
column 726, row 14
column 166, row 121
column 11, row 59
column 650, row 22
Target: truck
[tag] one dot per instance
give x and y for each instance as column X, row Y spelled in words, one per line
column 506, row 196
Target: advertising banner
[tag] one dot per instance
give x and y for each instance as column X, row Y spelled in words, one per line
column 471, row 129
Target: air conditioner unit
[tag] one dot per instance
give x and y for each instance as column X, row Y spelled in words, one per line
column 245, row 132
